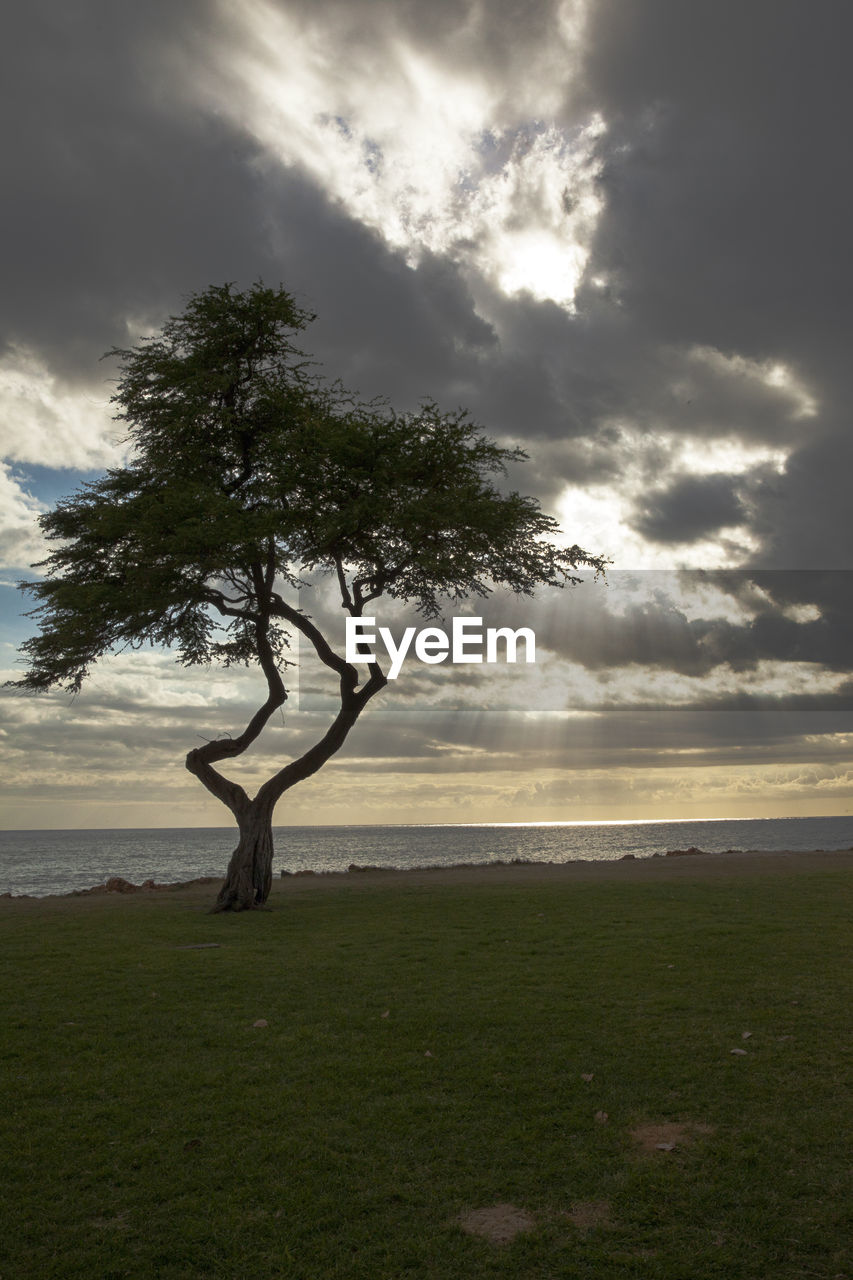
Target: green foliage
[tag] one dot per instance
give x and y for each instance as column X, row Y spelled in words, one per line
column 246, row 470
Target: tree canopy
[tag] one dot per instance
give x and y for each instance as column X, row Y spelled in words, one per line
column 246, row 472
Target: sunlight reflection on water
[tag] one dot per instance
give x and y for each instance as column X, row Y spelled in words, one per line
column 44, row 862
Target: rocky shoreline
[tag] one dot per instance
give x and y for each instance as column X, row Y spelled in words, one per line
column 729, row 860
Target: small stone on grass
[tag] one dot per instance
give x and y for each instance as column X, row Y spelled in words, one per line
column 668, row 1135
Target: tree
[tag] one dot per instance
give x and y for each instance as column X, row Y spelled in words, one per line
column 247, row 470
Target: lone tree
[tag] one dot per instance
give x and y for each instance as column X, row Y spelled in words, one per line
column 247, row 471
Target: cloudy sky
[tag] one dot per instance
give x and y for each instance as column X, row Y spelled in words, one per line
column 618, row 233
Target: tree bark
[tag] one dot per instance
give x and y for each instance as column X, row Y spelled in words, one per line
column 248, row 879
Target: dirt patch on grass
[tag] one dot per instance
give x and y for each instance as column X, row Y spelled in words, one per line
column 586, row 1215
column 499, row 1223
column 668, row 1136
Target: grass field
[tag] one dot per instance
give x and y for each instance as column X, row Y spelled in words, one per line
column 430, row 1051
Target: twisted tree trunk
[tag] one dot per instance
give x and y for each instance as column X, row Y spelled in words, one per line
column 248, row 879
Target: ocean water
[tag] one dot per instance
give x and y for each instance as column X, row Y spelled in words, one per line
column 51, row 862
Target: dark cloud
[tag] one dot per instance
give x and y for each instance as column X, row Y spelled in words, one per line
column 721, row 252
column 728, row 204
column 642, row 737
column 800, row 615
column 652, row 620
column 806, row 520
column 728, row 209
column 440, row 740
column 117, row 198
column 691, row 508
column 121, row 196
column 383, row 328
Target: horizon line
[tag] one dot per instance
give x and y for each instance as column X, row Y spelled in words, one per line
column 569, row 822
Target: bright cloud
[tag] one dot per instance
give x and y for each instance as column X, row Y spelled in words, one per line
column 445, row 159
column 49, row 424
column 45, row 423
column 693, row 432
column 642, row 686
column 21, row 542
column 606, row 511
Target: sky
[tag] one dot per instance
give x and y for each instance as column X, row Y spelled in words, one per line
column 617, row 233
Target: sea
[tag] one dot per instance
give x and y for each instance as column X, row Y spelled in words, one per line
column 41, row 863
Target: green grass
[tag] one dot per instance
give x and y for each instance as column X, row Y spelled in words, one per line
column 152, row 1131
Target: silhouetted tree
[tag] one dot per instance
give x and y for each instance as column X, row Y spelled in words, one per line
column 247, row 471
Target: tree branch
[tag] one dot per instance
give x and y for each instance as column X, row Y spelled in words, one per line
column 324, row 651
column 353, row 703
column 346, row 598
column 226, row 606
column 200, row 760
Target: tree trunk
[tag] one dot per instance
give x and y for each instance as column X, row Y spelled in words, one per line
column 249, row 877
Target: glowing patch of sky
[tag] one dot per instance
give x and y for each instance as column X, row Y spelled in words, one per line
column 439, row 157
column 604, row 513
column 649, row 463
column 690, row 594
